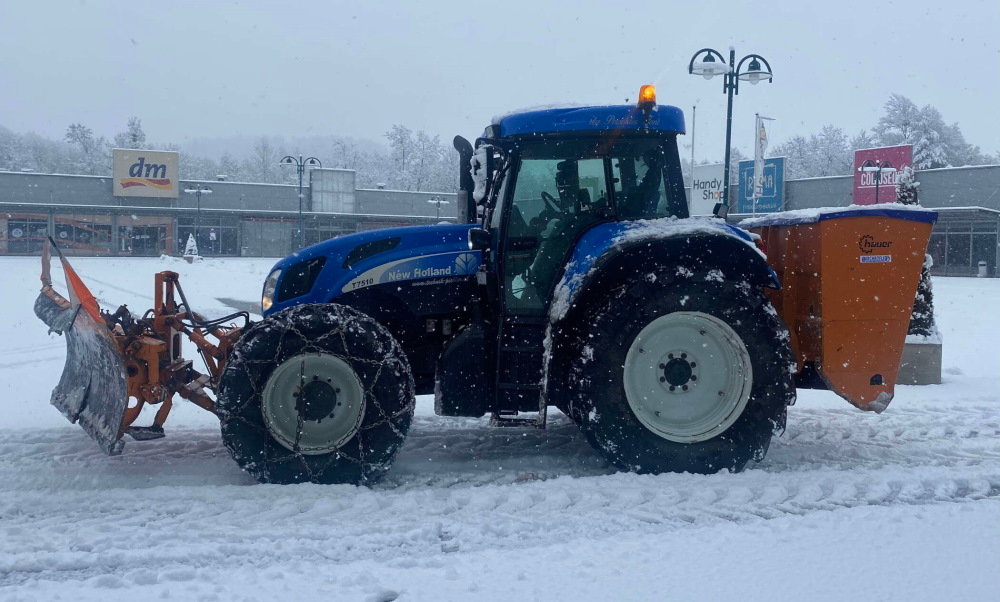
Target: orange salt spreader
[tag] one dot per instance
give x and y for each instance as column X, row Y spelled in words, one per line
column 849, row 277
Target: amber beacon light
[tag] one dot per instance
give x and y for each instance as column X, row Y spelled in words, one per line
column 647, row 95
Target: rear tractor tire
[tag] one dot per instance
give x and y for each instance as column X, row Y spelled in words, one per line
column 316, row 393
column 680, row 375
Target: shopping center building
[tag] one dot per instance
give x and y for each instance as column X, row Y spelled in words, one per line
column 235, row 219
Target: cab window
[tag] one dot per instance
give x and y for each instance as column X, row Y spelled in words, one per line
column 554, row 199
column 640, row 181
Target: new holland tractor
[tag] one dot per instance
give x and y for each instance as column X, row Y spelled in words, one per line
column 575, row 279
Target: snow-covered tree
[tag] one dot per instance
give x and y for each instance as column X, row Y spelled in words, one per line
column 191, row 247
column 197, row 168
column 827, row 153
column 424, row 160
column 735, row 156
column 899, row 123
column 929, row 145
column 798, row 151
column 906, row 186
column 93, row 153
column 81, row 136
column 961, row 152
column 922, row 318
column 11, row 150
column 415, row 160
column 345, row 154
column 419, row 161
column 230, row 167
column 863, row 139
column 36, row 153
column 133, row 136
column 400, row 140
column 935, row 144
column 262, row 165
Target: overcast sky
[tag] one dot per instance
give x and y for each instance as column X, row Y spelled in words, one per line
column 191, row 70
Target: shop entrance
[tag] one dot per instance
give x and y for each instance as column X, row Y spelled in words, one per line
column 142, row 240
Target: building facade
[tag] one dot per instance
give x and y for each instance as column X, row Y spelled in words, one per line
column 233, row 219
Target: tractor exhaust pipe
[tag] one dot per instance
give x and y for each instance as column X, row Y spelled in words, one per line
column 466, row 204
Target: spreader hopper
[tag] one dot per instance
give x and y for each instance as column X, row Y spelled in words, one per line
column 849, row 278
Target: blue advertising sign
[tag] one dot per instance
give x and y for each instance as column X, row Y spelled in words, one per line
column 773, row 195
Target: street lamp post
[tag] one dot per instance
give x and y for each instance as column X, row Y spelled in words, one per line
column 438, row 202
column 708, row 67
column 300, row 166
column 197, row 191
column 877, row 167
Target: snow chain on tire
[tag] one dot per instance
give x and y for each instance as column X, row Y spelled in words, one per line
column 350, row 338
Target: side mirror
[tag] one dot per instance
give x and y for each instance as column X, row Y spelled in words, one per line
column 483, row 165
column 479, row 239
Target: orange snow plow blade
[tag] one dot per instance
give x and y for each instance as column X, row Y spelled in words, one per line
column 849, row 278
column 91, row 390
column 113, row 359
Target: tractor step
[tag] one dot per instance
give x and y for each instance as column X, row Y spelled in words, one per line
column 519, row 365
column 145, row 433
column 537, row 422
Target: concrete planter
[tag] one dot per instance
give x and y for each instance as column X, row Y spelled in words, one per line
column 920, row 365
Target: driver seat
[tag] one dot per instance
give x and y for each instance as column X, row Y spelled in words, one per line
column 568, row 183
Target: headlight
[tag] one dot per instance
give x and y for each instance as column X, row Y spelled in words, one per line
column 267, row 297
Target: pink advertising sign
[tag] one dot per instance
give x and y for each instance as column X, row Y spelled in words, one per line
column 874, row 185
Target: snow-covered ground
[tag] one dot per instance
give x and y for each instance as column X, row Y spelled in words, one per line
column 847, row 505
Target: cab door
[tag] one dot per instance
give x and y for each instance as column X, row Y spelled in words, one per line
column 551, row 199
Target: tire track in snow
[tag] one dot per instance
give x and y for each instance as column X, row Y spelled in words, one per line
column 114, row 532
column 459, row 451
column 67, row 512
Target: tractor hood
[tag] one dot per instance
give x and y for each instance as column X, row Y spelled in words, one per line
column 324, row 271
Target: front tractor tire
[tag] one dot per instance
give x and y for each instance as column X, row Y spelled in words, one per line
column 680, row 375
column 316, row 393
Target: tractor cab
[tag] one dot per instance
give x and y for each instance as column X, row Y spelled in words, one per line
column 543, row 178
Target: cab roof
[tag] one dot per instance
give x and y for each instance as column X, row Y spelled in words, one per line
column 662, row 118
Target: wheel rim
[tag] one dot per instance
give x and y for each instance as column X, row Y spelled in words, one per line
column 687, row 376
column 313, row 403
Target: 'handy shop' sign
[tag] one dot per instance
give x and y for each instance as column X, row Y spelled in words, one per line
column 706, row 189
column 144, row 173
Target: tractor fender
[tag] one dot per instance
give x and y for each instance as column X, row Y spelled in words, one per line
column 610, row 252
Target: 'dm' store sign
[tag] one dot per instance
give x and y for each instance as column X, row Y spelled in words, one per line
column 144, row 173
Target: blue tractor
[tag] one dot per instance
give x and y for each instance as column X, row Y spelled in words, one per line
column 575, row 279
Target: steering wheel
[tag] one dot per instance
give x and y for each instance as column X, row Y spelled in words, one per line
column 550, row 202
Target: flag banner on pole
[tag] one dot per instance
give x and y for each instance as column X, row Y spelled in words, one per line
column 760, row 148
